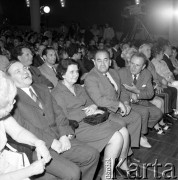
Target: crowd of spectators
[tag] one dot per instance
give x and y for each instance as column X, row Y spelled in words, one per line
column 73, row 72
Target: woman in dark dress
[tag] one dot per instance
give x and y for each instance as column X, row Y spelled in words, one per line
column 76, row 105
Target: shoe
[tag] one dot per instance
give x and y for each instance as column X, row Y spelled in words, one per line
column 144, row 137
column 132, row 159
column 122, row 173
column 165, row 127
column 174, row 114
column 120, row 161
column 144, row 143
column 168, row 119
column 159, row 131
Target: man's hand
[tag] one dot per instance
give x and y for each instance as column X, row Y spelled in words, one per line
column 42, row 151
column 159, row 89
column 65, row 142
column 56, row 146
column 123, row 110
column 90, row 109
column 134, row 98
column 132, row 88
column 164, row 83
column 128, row 108
column 37, row 167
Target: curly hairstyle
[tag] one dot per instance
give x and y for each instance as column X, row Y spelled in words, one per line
column 63, row 66
column 156, row 49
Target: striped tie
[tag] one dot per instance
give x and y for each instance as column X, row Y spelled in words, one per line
column 35, row 98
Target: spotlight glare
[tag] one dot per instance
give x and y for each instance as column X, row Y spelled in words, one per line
column 28, row 3
column 62, row 2
column 137, row 2
column 46, row 9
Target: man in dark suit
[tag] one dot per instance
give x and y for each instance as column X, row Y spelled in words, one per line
column 104, row 88
column 38, row 112
column 138, row 81
column 25, row 56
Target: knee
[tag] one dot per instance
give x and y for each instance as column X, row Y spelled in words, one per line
column 117, row 138
column 124, row 132
column 159, row 114
column 159, row 103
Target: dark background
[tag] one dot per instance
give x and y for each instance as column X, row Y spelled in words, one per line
column 86, row 12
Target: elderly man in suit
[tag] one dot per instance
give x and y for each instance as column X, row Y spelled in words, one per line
column 104, row 88
column 24, row 55
column 38, row 112
column 138, row 81
column 48, row 69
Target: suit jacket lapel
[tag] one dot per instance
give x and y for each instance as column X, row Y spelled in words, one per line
column 40, row 95
column 27, row 99
column 140, row 80
column 102, row 78
column 48, row 70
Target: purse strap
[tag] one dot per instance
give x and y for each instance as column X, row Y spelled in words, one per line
column 11, row 148
column 15, row 150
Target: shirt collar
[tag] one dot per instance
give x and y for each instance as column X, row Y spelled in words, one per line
column 136, row 76
column 166, row 55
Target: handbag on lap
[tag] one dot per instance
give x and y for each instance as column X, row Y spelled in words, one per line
column 98, row 118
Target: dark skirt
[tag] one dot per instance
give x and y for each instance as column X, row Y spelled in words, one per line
column 99, row 135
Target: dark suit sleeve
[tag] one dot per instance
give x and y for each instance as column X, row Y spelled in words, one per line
column 41, row 134
column 92, row 88
column 148, row 91
column 61, row 120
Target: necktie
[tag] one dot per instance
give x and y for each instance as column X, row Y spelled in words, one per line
column 111, row 82
column 135, row 79
column 35, row 98
column 54, row 69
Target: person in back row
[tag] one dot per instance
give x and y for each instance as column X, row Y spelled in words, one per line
column 48, row 69
column 25, row 56
column 38, row 111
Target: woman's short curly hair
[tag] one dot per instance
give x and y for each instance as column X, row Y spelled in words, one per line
column 63, row 66
column 156, row 49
